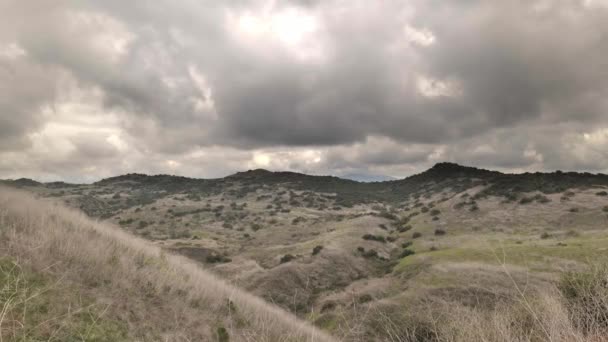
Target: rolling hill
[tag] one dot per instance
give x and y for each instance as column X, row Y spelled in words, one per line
column 400, row 260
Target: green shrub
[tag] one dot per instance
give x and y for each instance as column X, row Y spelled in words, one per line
column 407, row 244
column 435, row 212
column 378, row 238
column 416, row 235
column 439, row 232
column 317, row 250
column 287, row 258
column 217, row 258
column 404, row 229
column 372, row 253
column 406, row 252
column 222, row 335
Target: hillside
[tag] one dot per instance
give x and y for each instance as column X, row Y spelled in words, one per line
column 376, row 261
column 65, row 277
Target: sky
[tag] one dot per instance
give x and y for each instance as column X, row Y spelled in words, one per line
column 92, row 89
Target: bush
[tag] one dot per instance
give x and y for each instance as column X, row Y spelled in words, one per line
column 602, row 193
column 287, row 258
column 378, row 238
column 317, row 250
column 406, row 244
column 370, row 253
column 416, row 235
column 216, row 258
column 435, row 212
column 574, row 210
column 391, row 238
column 605, row 209
column 439, row 232
column 404, row 229
column 406, row 252
column 222, row 335
column 545, row 235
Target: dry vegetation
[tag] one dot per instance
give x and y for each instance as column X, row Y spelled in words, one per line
column 452, row 254
column 65, row 277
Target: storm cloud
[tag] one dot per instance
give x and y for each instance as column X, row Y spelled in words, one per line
column 203, row 88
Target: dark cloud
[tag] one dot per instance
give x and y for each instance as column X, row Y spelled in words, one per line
column 375, row 87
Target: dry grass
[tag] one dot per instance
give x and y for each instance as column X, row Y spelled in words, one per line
column 158, row 296
column 576, row 309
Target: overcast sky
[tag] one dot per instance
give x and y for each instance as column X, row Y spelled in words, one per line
column 90, row 89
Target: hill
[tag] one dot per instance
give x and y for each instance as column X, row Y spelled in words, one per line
column 378, row 261
column 65, row 277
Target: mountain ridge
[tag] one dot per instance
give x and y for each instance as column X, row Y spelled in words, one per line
column 440, row 169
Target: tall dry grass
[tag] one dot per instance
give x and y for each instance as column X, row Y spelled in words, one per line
column 158, row 296
column 575, row 309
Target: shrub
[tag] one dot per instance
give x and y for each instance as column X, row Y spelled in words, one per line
column 216, row 258
column 372, row 253
column 222, row 335
column 360, row 249
column 125, row 222
column 382, row 226
column 142, row 225
column 416, row 235
column 435, row 218
column 439, row 232
column 526, row 200
column 602, row 193
column 424, row 210
column 605, row 209
column 545, row 235
column 406, row 252
column 317, row 250
column 406, row 244
column 391, row 238
column 365, row 298
column 404, row 229
column 435, row 212
column 378, row 238
column 287, row 258
column 574, row 210
column 474, row 208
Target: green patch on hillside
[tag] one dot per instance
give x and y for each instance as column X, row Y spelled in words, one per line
column 535, row 255
column 37, row 308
